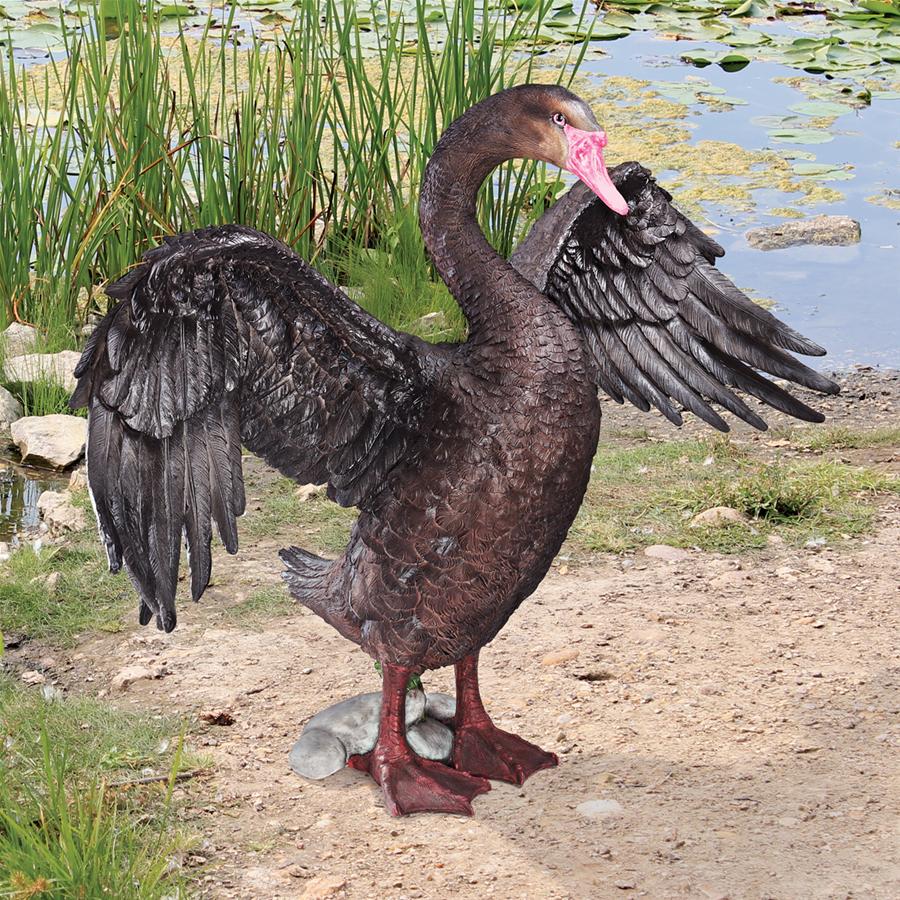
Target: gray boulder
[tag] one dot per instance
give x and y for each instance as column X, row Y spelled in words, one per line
column 10, row 411
column 17, row 339
column 55, row 440
column 59, row 367
column 827, row 230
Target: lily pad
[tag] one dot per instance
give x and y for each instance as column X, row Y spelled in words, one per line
column 38, row 37
column 775, row 121
column 175, row 11
column 880, row 6
column 746, row 37
column 820, row 108
column 800, row 136
column 845, row 35
column 731, row 62
column 603, row 31
column 823, row 171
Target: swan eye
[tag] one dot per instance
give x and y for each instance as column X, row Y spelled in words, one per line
column 558, row 119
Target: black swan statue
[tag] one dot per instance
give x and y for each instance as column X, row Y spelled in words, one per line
column 468, row 462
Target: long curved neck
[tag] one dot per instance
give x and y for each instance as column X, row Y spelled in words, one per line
column 493, row 296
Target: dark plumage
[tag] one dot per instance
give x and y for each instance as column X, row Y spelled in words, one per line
column 468, row 462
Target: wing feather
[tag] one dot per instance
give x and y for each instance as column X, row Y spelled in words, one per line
column 660, row 322
column 223, row 337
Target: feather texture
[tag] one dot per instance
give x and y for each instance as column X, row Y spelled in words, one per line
column 660, row 322
column 224, row 336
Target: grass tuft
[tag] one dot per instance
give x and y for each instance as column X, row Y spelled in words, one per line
column 840, row 437
column 262, row 605
column 63, row 831
column 648, row 495
column 61, row 592
column 43, row 397
column 785, row 492
column 315, row 523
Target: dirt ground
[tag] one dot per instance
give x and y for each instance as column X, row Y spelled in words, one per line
column 741, row 712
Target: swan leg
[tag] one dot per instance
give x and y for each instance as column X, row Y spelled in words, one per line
column 479, row 746
column 409, row 783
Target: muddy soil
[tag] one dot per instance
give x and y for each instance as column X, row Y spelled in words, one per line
column 737, row 716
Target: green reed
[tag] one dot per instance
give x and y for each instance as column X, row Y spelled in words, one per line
column 320, row 138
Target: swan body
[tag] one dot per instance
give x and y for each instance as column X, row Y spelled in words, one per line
column 468, row 462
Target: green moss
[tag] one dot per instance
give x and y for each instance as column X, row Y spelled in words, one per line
column 889, row 198
column 786, row 212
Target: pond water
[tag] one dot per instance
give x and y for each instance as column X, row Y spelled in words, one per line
column 20, row 487
column 845, row 298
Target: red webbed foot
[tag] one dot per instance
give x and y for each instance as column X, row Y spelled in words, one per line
column 411, row 784
column 485, row 750
column 479, row 746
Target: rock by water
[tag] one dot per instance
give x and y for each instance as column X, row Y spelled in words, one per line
column 17, row 339
column 56, row 440
column 59, row 513
column 828, row 230
column 59, row 367
column 10, row 411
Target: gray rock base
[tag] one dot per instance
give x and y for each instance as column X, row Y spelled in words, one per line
column 350, row 727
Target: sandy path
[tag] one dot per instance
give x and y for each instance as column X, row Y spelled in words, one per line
column 743, row 714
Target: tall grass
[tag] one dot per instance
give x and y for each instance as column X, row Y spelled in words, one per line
column 319, row 138
column 56, row 841
column 65, row 831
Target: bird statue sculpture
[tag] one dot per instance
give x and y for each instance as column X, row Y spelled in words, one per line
column 468, row 462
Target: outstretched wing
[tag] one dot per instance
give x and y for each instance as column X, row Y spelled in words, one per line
column 661, row 323
column 222, row 337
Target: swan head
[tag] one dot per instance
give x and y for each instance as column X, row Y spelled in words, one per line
column 551, row 124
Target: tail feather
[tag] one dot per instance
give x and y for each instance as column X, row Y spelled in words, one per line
column 307, row 577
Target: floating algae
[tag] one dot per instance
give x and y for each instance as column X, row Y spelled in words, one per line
column 657, row 131
column 890, row 198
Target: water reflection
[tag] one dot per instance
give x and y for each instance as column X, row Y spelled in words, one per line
column 20, row 487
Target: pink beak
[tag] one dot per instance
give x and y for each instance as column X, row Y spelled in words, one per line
column 585, row 160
